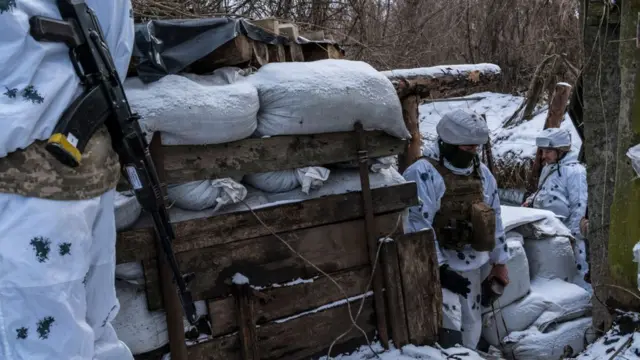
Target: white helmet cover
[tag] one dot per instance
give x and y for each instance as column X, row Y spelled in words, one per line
column 554, row 138
column 460, row 127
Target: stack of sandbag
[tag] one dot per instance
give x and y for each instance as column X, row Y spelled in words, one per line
column 550, row 301
column 518, row 268
column 206, row 194
column 140, row 329
column 308, row 178
column 326, row 96
column 127, row 210
column 196, row 109
column 551, row 257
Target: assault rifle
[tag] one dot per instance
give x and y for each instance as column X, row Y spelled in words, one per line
column 104, row 102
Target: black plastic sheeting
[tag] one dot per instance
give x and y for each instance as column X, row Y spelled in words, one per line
column 168, row 46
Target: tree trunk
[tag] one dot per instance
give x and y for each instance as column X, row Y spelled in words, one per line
column 601, row 97
column 625, row 210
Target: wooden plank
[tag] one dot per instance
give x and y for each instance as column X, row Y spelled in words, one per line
column 294, row 339
column 234, row 52
column 170, row 299
column 152, row 283
column 276, row 53
column 197, row 162
column 244, row 310
column 421, row 286
column 265, row 260
column 279, row 302
column 393, row 291
column 413, row 149
column 138, row 244
column 293, row 52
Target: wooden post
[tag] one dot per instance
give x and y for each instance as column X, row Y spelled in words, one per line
column 421, row 286
column 372, row 241
column 557, row 107
column 172, row 305
column 413, row 150
column 244, row 301
column 393, row 290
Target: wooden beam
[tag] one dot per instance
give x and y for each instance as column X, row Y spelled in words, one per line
column 421, row 286
column 413, row 148
column 138, row 244
column 236, row 51
column 276, row 53
column 445, row 81
column 279, row 302
column 295, row 339
column 393, row 291
column 265, row 260
column 184, row 163
column 555, row 115
column 294, row 52
column 244, row 309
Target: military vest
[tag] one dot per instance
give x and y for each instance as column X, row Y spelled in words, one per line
column 464, row 218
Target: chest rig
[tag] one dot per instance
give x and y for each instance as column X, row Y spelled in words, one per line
column 464, row 218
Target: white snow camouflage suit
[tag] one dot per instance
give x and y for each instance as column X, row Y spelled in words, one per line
column 459, row 314
column 57, row 257
column 562, row 189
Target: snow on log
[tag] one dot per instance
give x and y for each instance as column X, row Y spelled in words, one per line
column 445, row 81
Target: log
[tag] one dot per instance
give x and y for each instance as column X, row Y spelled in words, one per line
column 265, row 260
column 279, row 302
column 295, row 339
column 260, row 54
column 293, row 52
column 138, row 244
column 277, row 53
column 184, row 163
column 421, row 286
column 445, row 81
column 413, row 148
column 237, row 51
column 555, row 115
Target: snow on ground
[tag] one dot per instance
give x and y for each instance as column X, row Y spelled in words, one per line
column 623, row 338
column 518, row 141
column 409, row 352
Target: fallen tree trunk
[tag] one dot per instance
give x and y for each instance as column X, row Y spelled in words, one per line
column 445, row 81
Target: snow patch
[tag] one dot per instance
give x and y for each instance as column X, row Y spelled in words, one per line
column 297, row 281
column 240, row 279
column 408, row 352
column 325, row 307
column 385, row 239
column 444, row 69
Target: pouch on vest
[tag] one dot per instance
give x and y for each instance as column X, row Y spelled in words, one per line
column 483, row 220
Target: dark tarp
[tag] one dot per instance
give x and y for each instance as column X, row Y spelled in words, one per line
column 166, row 47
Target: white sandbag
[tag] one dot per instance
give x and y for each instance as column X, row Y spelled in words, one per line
column 205, row 194
column 383, row 163
column 194, row 111
column 533, row 344
column 326, row 96
column 312, row 177
column 519, row 281
column 551, row 257
column 131, row 272
column 127, row 210
column 547, row 302
column 634, row 154
column 141, row 330
column 514, row 236
column 273, row 181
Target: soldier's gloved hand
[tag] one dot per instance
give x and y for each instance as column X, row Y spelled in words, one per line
column 454, row 282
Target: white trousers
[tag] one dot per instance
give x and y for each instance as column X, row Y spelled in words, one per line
column 57, row 269
column 464, row 315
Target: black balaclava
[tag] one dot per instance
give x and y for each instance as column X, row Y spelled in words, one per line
column 456, row 156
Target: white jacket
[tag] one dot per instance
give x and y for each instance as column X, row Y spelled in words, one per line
column 562, row 189
column 431, row 188
column 46, row 69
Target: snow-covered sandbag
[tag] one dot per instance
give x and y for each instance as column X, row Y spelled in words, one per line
column 205, row 194
column 140, row 329
column 551, row 257
column 326, row 96
column 514, row 236
column 547, row 302
column 131, row 272
column 127, row 210
column 519, row 281
column 532, row 344
column 194, row 111
column 634, row 154
column 311, row 177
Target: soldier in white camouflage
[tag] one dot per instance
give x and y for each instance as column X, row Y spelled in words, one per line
column 57, row 226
